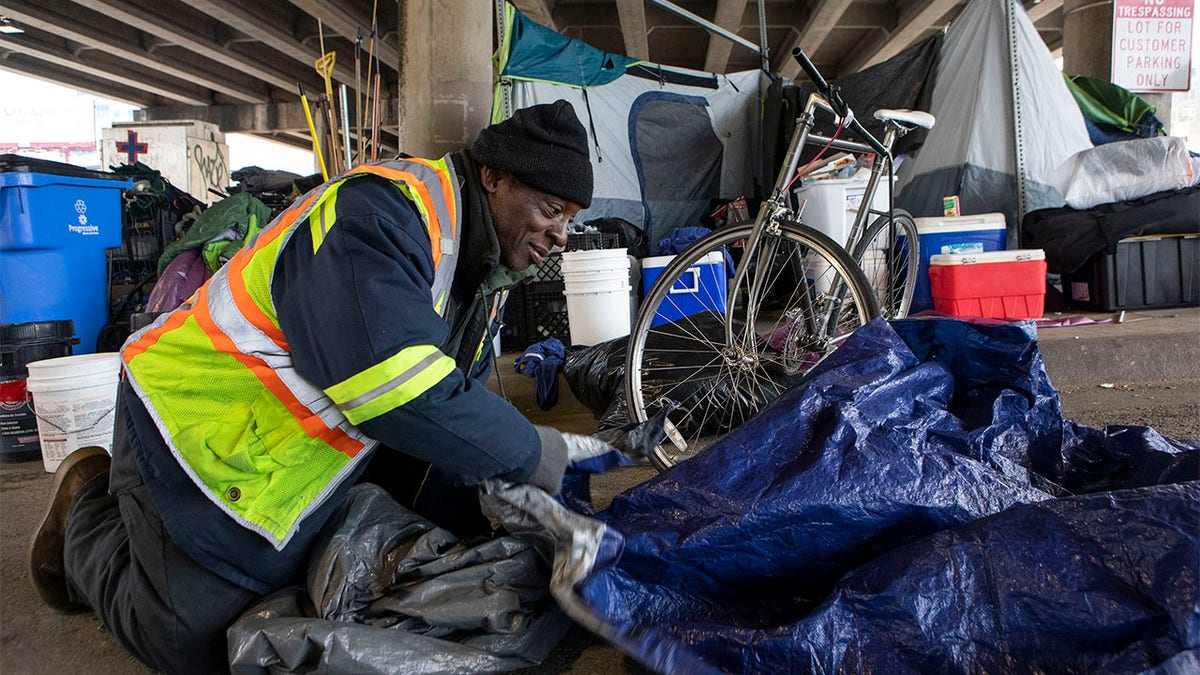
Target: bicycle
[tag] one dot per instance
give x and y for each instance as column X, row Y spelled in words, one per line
column 714, row 354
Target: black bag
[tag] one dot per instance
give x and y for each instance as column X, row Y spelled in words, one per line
column 1070, row 236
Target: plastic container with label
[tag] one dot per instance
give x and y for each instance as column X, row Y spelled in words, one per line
column 56, row 221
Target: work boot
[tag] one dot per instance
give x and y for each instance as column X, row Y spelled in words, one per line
column 47, row 571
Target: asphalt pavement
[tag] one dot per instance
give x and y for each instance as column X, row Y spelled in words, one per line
column 1142, row 370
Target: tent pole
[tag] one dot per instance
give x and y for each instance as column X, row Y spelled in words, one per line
column 764, row 47
column 1018, row 137
column 710, row 26
column 505, row 91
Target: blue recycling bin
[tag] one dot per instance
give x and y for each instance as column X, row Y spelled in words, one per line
column 56, row 221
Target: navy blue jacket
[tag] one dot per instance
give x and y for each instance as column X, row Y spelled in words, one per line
column 360, row 299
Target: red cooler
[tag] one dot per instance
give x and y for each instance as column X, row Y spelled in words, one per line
column 995, row 284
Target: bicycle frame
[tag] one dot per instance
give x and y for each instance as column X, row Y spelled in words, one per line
column 778, row 206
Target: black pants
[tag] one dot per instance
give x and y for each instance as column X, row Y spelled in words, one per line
column 166, row 609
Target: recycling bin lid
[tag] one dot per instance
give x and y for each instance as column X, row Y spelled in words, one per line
column 10, row 163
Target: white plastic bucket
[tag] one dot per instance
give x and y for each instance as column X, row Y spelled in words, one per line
column 874, row 265
column 595, row 261
column 75, row 400
column 596, row 285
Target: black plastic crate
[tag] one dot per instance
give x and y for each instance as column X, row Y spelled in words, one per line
column 549, row 270
column 534, row 311
column 591, row 241
column 1143, row 273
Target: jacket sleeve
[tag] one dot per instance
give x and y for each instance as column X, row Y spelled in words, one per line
column 360, row 324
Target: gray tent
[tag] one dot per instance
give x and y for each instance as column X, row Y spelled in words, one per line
column 666, row 141
column 1005, row 120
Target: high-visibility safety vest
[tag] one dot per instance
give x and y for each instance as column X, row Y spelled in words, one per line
column 263, row 444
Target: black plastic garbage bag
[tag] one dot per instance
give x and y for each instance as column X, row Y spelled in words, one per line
column 908, row 508
column 391, row 592
column 596, row 376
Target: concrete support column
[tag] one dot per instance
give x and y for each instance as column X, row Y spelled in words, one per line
column 1087, row 46
column 1087, row 38
column 445, row 88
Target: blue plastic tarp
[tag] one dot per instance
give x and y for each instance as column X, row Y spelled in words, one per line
column 918, row 504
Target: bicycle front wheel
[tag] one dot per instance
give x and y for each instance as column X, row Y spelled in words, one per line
column 889, row 254
column 800, row 296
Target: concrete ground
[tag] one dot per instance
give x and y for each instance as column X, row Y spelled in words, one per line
column 1145, row 370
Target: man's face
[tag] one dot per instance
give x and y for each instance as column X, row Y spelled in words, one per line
column 528, row 222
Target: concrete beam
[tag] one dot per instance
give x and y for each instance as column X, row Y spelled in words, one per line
column 190, row 33
column 1087, row 39
column 921, row 16
column 632, row 16
column 48, row 72
column 445, row 89
column 728, row 16
column 272, row 29
column 539, row 11
column 80, row 25
column 50, row 49
column 817, row 28
column 341, row 18
column 257, row 118
column 1041, row 10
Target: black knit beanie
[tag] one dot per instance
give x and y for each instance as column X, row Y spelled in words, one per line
column 543, row 146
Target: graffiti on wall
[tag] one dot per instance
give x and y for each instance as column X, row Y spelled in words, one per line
column 211, row 164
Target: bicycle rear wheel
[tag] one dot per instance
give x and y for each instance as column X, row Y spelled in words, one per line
column 801, row 296
column 891, row 265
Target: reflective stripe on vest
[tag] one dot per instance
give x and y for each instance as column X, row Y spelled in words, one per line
column 262, row 443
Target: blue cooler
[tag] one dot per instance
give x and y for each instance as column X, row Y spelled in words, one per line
column 703, row 287
column 56, row 220
column 957, row 235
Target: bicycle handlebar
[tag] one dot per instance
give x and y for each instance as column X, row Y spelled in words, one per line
column 813, row 73
column 834, row 97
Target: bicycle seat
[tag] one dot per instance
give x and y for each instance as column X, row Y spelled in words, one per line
column 913, row 117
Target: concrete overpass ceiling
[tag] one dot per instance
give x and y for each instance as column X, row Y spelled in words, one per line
column 238, row 62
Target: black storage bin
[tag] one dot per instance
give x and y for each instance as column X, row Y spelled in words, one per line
column 549, row 270
column 534, row 311
column 20, row 345
column 591, row 241
column 1143, row 273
